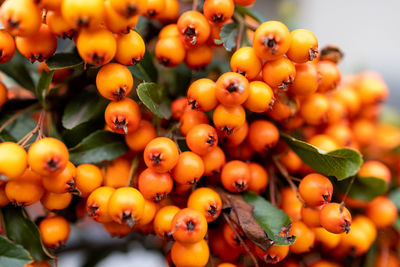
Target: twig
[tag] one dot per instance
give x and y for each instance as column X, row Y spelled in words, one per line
column 134, row 167
column 16, row 116
column 195, row 5
column 272, row 184
column 242, row 243
column 347, row 192
column 38, row 128
column 240, row 35
column 288, row 178
column 241, row 20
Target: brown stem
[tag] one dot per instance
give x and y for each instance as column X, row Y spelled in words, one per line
column 195, row 5
column 288, row 178
column 242, row 243
column 240, row 35
column 272, row 178
column 38, row 128
column 134, row 167
column 347, row 192
column 16, row 116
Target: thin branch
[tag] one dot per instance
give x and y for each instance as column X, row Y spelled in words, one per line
column 242, row 243
column 241, row 20
column 195, row 5
column 240, row 36
column 347, row 192
column 16, row 116
column 288, row 178
column 38, row 128
column 272, row 184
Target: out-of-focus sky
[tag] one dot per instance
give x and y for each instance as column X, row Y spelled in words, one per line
column 366, row 30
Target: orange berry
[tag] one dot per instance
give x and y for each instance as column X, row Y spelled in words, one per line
column 316, row 190
column 382, row 212
column 230, row 236
column 341, row 133
column 314, row 109
column 88, row 178
column 194, row 28
column 310, row 216
column 117, row 229
column 363, row 131
column 163, row 221
column 189, row 226
column 170, row 13
column 128, row 8
column 235, row 138
column 170, row 30
column 58, row 25
column 23, row 191
column 386, row 258
column 189, row 168
column 272, row 255
column 246, row 62
column 220, row 248
column 138, row 139
column 324, row 142
column 149, row 211
column 349, row 98
column 28, row 47
column 304, row 238
column 291, row 161
column 13, row 160
column 87, row 14
column 261, row 97
column 126, row 206
column 114, row 81
column 97, row 204
column 279, row 73
column 48, row 156
column 336, row 112
column 21, row 17
column 372, row 89
column 61, row 182
column 117, row 174
column 54, row 231
column 49, row 4
column 329, row 75
column 244, row 2
column 259, row 178
column 192, row 254
column 327, row 239
column 213, row 161
column 201, row 95
column 335, row 218
column 218, row 11
column 178, row 107
column 290, row 203
column 199, row 57
column 130, row 48
column 123, row 117
column 155, row 186
column 3, row 88
column 116, row 22
column 232, row 89
column 304, row 46
column 306, row 80
column 170, row 51
column 161, row 154
column 3, row 196
column 235, row 176
column 263, row 135
column 202, row 138
column 191, row 118
column 283, row 108
column 97, row 47
column 54, row 201
column 228, row 119
column 373, row 168
column 207, row 201
column 271, row 40
column 154, row 8
column 7, row 48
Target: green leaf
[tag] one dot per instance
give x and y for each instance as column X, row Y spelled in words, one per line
column 18, row 128
column 341, row 163
column 395, row 197
column 13, row 255
column 23, row 231
column 99, row 146
column 365, row 188
column 151, row 96
column 254, row 14
column 228, row 36
column 64, row 61
column 145, row 69
column 43, row 85
column 18, row 70
column 82, row 108
column 271, row 219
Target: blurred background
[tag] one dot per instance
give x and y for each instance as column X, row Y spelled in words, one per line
column 366, row 31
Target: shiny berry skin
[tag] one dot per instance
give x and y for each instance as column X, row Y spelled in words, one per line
column 213, row 161
column 306, row 80
column 201, row 95
column 192, row 254
column 13, row 160
column 261, row 97
column 335, row 218
column 304, row 46
column 7, row 47
column 314, row 109
column 138, row 139
column 202, row 138
column 189, row 168
column 232, row 89
column 235, row 176
column 279, row 73
column 207, row 201
column 114, row 81
column 271, row 40
column 97, row 204
column 128, row 8
column 304, row 238
column 263, row 135
column 130, row 48
column 218, row 11
column 329, row 75
column 194, row 28
column 163, row 221
column 316, row 190
column 54, row 231
column 161, row 154
column 123, row 117
column 87, row 14
column 163, row 50
column 155, row 186
column 374, row 168
column 199, row 57
column 228, row 119
column 259, row 178
column 245, row 61
column 189, row 226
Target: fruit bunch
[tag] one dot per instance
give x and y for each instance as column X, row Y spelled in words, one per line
column 259, row 164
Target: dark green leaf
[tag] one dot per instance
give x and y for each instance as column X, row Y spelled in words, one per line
column 365, row 188
column 23, row 231
column 342, row 163
column 64, row 61
column 18, row 70
column 370, row 256
column 273, row 220
column 145, row 70
column 13, row 255
column 83, row 108
column 395, row 197
column 43, row 85
column 150, row 94
column 97, row 147
column 18, row 128
column 254, row 14
column 228, row 36
column 73, row 136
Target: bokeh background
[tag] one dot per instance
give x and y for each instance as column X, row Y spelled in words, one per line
column 368, row 33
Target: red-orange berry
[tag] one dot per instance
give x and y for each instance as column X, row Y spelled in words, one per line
column 155, row 186
column 189, row 226
column 201, row 95
column 261, row 97
column 228, row 119
column 138, row 139
column 202, row 138
column 263, row 135
column 194, row 28
column 303, row 47
column 130, row 48
column 235, row 176
column 114, row 81
column 161, row 154
column 123, row 117
column 335, row 218
column 246, row 62
column 189, row 168
column 232, row 89
column 7, row 47
column 213, row 161
column 329, row 75
column 316, row 190
column 218, row 11
column 279, row 73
